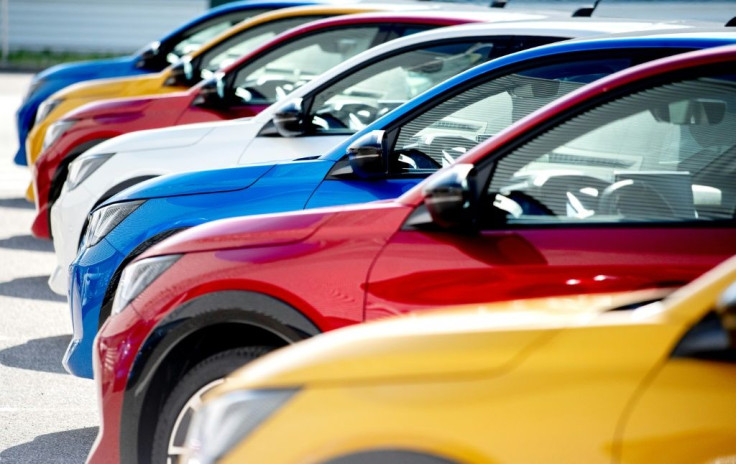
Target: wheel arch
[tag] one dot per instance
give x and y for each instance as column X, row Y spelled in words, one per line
column 62, row 172
column 193, row 331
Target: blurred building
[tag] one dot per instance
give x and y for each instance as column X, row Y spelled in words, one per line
column 117, row 26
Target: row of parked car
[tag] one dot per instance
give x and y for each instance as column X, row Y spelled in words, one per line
column 558, row 176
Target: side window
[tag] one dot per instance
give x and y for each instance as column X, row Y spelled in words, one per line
column 362, row 97
column 272, row 76
column 446, row 131
column 206, row 31
column 234, row 47
column 707, row 339
column 663, row 154
column 404, row 30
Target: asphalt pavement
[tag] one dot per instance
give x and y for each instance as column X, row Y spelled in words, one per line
column 46, row 414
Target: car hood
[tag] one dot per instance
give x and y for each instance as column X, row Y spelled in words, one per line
column 154, row 139
column 110, row 108
column 96, row 69
column 244, row 232
column 479, row 340
column 194, row 183
column 113, row 87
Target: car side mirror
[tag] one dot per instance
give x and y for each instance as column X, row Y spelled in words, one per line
column 181, row 74
column 148, row 56
column 450, row 197
column 289, row 119
column 368, row 155
column 211, row 93
column 726, row 308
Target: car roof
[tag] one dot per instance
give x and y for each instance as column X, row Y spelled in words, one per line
column 688, row 60
column 672, row 40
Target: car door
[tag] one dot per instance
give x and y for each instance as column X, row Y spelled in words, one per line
column 685, row 410
column 636, row 192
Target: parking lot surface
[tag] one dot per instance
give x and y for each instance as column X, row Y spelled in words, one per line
column 46, row 415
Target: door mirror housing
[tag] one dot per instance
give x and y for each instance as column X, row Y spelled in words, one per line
column 181, row 74
column 148, row 56
column 289, row 119
column 368, row 155
column 211, row 93
column 450, row 197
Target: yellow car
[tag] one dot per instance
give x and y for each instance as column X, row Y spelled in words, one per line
column 219, row 52
column 555, row 380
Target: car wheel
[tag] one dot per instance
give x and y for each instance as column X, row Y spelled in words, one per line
column 185, row 398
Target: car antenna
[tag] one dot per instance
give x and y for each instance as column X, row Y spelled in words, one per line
column 731, row 22
column 499, row 3
column 586, row 11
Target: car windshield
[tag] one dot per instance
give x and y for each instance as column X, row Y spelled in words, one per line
column 446, row 131
column 373, row 90
column 275, row 74
column 229, row 50
column 202, row 33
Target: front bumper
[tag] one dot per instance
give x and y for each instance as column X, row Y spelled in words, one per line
column 24, row 119
column 68, row 217
column 115, row 349
column 89, row 276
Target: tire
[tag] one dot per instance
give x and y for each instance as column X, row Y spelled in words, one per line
column 200, row 378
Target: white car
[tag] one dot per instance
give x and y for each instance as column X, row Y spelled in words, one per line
column 350, row 96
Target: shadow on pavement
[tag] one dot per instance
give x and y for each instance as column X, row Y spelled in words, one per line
column 40, row 354
column 70, row 447
column 32, row 288
column 26, row 242
column 20, row 203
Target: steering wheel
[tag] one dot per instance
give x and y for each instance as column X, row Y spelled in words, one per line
column 633, row 199
column 412, row 158
column 528, row 204
column 559, row 191
column 443, row 146
column 355, row 115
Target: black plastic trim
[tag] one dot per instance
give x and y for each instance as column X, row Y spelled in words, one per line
column 62, row 172
column 253, row 309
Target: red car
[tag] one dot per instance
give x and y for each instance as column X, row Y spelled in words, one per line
column 626, row 183
column 246, row 87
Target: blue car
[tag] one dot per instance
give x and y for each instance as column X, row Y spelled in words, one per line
column 152, row 58
column 413, row 140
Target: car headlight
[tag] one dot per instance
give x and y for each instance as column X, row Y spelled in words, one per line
column 35, row 84
column 137, row 277
column 224, row 422
column 82, row 167
column 103, row 220
column 46, row 107
column 56, row 130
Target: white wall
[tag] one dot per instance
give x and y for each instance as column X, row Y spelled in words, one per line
column 95, row 25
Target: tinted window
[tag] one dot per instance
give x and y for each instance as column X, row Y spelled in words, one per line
column 372, row 91
column 197, row 36
column 660, row 155
column 244, row 42
column 448, row 130
column 274, row 75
